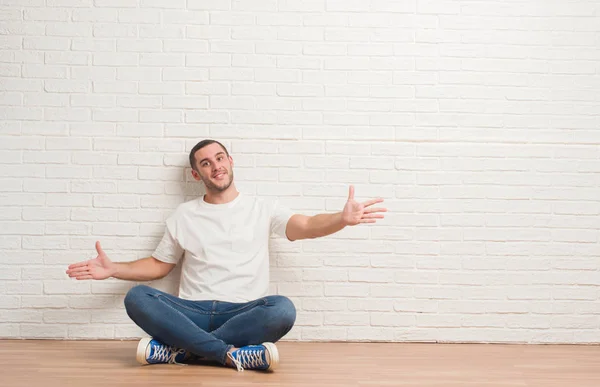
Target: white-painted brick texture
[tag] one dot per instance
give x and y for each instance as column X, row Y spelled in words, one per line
column 477, row 121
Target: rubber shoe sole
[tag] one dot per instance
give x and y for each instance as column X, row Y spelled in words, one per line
column 273, row 356
column 140, row 355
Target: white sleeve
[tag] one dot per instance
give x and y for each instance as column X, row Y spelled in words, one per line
column 280, row 215
column 169, row 249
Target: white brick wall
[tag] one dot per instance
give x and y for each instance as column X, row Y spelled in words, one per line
column 477, row 121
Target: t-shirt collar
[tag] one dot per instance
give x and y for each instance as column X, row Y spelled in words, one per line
column 222, row 206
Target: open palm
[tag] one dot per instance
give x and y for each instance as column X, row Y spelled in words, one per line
column 355, row 213
column 98, row 268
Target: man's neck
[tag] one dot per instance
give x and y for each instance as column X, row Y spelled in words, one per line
column 221, row 197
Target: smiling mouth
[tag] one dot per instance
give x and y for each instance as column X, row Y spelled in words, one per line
column 219, row 175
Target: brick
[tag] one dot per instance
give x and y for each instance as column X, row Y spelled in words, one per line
column 8, row 84
column 370, row 305
column 66, row 316
column 45, row 214
column 345, row 319
column 67, row 229
column 370, row 275
column 92, row 45
column 392, row 319
column 46, row 14
column 115, row 229
column 188, row 17
column 68, row 200
column 128, row 331
column 110, row 288
column 117, row 173
column 114, row 59
column 111, row 144
column 323, row 334
column 11, row 185
column 10, row 213
column 22, row 315
column 93, row 158
column 347, row 290
column 29, row 199
column 44, row 302
column 218, row 102
column 10, row 302
column 90, row 331
column 140, row 102
column 185, row 74
column 43, row 331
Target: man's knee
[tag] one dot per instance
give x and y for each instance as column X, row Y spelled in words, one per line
column 135, row 296
column 285, row 311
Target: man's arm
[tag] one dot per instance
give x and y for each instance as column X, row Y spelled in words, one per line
column 101, row 267
column 308, row 227
column 145, row 269
column 305, row 227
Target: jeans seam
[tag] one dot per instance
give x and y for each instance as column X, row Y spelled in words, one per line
column 212, row 316
column 160, row 296
column 251, row 304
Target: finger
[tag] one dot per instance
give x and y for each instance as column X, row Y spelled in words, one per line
column 370, row 210
column 77, row 272
column 367, row 221
column 78, row 264
column 372, row 216
column 85, row 277
column 99, row 248
column 351, row 193
column 372, row 201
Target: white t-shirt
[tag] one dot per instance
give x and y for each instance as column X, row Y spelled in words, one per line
column 225, row 247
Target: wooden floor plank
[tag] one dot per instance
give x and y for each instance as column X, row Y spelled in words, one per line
column 112, row 363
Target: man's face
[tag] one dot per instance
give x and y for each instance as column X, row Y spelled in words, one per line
column 214, row 168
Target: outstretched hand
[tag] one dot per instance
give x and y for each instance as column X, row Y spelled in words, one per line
column 355, row 213
column 98, row 268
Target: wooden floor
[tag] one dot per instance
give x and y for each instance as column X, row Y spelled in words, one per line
column 112, row 363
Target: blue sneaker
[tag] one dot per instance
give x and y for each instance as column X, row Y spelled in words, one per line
column 264, row 357
column 150, row 351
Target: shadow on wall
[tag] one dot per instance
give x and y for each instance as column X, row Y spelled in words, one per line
column 190, row 188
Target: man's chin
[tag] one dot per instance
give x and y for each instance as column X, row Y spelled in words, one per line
column 220, row 187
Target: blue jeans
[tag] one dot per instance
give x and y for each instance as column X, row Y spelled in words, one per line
column 208, row 329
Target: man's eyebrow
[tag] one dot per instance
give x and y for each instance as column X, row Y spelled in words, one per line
column 206, row 158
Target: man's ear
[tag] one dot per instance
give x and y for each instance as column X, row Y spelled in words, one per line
column 231, row 160
column 195, row 175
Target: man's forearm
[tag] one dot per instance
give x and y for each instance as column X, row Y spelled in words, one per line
column 324, row 224
column 145, row 269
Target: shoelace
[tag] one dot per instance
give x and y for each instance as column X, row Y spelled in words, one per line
column 247, row 358
column 165, row 353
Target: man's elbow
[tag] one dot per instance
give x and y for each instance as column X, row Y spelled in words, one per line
column 161, row 269
column 299, row 229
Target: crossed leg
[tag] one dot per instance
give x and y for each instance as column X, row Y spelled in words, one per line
column 209, row 329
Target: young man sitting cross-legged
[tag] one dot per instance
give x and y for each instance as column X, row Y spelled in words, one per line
column 222, row 312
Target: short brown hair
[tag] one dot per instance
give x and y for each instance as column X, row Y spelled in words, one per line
column 201, row 145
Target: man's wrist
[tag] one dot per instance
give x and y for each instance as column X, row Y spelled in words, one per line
column 114, row 270
column 343, row 221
